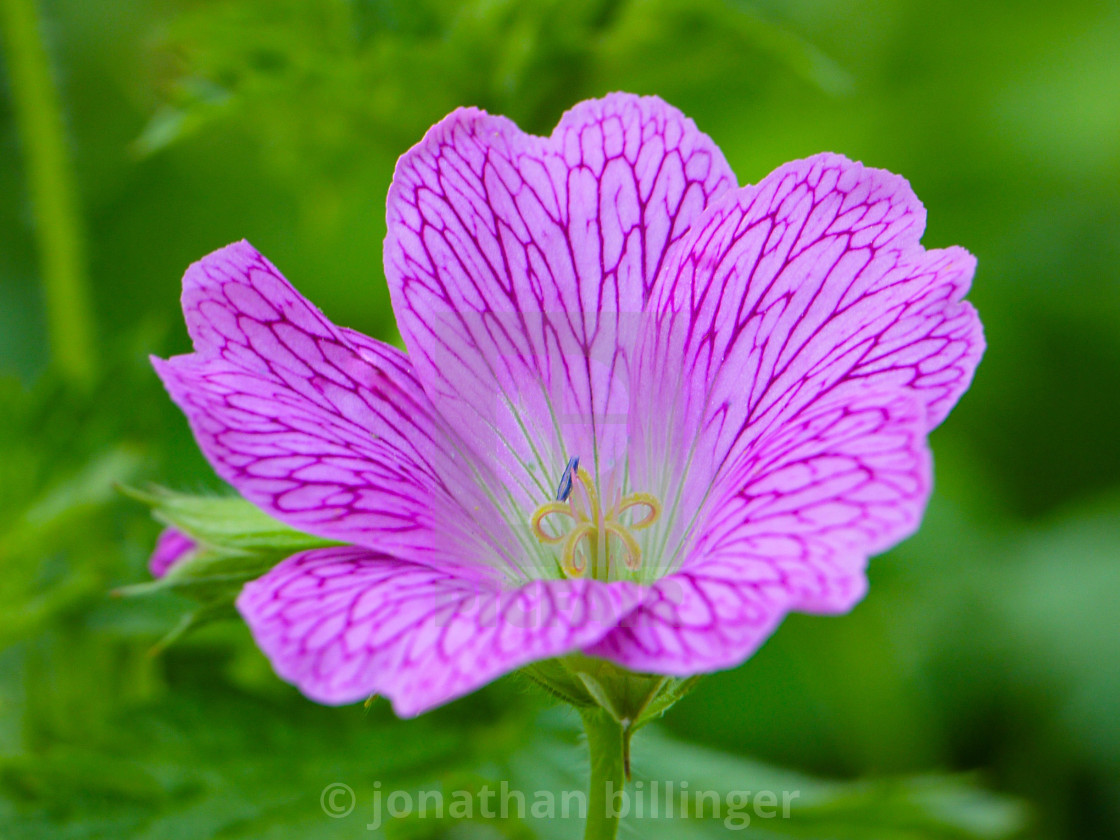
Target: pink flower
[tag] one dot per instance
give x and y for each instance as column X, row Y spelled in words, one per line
column 172, row 546
column 747, row 377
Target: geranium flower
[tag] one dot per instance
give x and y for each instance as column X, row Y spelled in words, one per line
column 644, row 413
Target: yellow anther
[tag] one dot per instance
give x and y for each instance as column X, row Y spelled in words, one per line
column 548, row 510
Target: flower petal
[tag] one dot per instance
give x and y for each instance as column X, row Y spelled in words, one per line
column 847, row 479
column 333, row 439
column 344, row 623
column 807, row 508
column 809, row 285
column 519, row 267
column 692, row 622
column 171, row 546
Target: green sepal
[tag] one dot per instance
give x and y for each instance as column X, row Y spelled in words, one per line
column 552, row 676
column 630, row 698
column 669, row 692
column 235, row 542
column 224, row 523
column 199, row 617
column 598, row 687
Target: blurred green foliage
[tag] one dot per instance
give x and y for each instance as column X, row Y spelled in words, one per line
column 988, row 645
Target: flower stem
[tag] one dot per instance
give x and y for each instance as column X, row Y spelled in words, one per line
column 607, row 743
column 51, row 187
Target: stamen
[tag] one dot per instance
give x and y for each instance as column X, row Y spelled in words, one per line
column 634, row 500
column 565, row 488
column 577, row 499
column 588, row 484
column 569, row 561
column 541, row 513
column 633, row 557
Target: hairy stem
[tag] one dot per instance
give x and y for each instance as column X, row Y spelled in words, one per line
column 51, row 187
column 607, row 744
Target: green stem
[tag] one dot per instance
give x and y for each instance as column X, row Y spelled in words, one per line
column 607, row 743
column 53, row 196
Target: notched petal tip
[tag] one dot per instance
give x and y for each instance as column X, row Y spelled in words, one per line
column 810, row 282
column 881, row 202
column 519, row 267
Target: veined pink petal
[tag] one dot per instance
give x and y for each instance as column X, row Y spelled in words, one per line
column 808, row 286
column 847, row 479
column 171, row 546
column 344, row 623
column 705, row 619
column 331, row 437
column 519, row 267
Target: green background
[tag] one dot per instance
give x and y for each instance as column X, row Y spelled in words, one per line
column 975, row 691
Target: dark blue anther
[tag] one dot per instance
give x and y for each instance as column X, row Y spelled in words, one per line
column 565, row 488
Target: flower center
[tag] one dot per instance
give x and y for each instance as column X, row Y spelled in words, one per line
column 593, row 539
